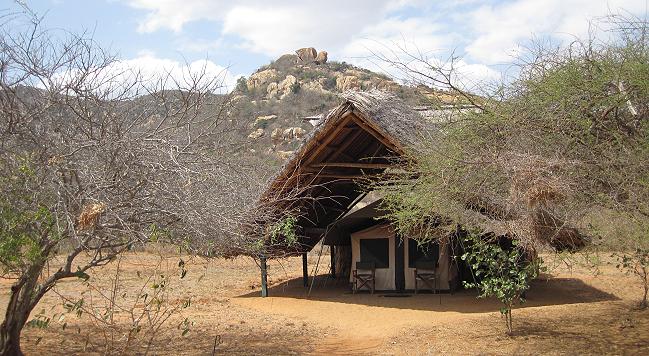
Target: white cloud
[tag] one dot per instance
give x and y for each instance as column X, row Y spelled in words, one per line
column 486, row 32
column 395, row 38
column 174, row 14
column 415, row 34
column 272, row 28
column 497, row 30
column 153, row 73
column 472, row 76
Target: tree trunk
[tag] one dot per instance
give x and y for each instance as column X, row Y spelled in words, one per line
column 23, row 299
column 10, row 335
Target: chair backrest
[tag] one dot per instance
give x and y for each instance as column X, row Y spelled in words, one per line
column 426, row 265
column 365, row 266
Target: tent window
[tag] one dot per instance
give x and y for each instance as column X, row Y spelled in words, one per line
column 377, row 251
column 428, row 252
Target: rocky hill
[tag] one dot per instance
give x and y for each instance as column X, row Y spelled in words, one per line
column 283, row 99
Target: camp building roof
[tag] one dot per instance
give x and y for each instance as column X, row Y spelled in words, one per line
column 359, row 138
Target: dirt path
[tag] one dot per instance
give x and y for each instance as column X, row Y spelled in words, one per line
column 460, row 323
column 568, row 312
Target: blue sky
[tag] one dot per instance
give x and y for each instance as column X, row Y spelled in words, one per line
column 243, row 35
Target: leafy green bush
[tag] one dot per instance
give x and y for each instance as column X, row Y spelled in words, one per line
column 285, row 228
column 309, row 75
column 329, row 83
column 241, row 86
column 295, row 87
column 499, row 272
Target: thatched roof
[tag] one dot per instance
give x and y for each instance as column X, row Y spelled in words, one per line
column 400, row 124
column 359, row 138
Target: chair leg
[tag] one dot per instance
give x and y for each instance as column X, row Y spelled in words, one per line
column 415, row 285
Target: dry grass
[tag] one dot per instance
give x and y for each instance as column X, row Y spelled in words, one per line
column 569, row 312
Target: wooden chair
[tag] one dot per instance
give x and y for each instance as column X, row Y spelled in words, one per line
column 364, row 276
column 426, row 273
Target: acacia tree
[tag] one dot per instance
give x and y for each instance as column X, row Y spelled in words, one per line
column 96, row 158
column 563, row 143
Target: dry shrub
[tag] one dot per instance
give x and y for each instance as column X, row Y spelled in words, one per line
column 90, row 216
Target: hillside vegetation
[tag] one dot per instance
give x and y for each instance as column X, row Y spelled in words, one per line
column 278, row 100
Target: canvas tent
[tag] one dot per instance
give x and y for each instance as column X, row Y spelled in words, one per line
column 371, row 239
column 360, row 140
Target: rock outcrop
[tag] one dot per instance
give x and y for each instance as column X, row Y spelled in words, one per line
column 276, row 135
column 286, row 86
column 347, row 82
column 313, row 86
column 306, row 55
column 272, row 90
column 284, row 155
column 256, row 134
column 387, row 85
column 299, row 89
column 263, row 121
column 260, row 79
column 321, row 58
column 293, row 133
column 279, row 135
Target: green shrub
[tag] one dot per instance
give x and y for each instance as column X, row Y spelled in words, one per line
column 499, row 272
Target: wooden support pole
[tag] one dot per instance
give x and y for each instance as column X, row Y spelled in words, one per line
column 332, row 250
column 264, row 276
column 305, row 270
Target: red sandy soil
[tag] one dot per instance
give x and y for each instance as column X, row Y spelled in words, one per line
column 568, row 311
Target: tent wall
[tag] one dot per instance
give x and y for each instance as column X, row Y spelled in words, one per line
column 446, row 271
column 384, row 276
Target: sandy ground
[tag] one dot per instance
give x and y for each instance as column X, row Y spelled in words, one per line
column 569, row 311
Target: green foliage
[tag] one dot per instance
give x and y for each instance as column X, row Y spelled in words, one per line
column 338, row 66
column 241, row 85
column 309, row 75
column 40, row 321
column 295, row 87
column 158, row 234
column 285, row 228
column 499, row 272
column 329, row 83
column 569, row 136
column 24, row 219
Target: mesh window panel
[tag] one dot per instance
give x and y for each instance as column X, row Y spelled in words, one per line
column 377, row 251
column 426, row 253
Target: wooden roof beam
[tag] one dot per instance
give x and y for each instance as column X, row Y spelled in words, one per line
column 376, row 134
column 352, row 165
column 343, row 146
column 327, row 140
column 346, row 176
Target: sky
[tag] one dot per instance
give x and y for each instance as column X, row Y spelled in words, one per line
column 238, row 37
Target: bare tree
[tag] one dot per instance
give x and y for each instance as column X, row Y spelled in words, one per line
column 96, row 158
